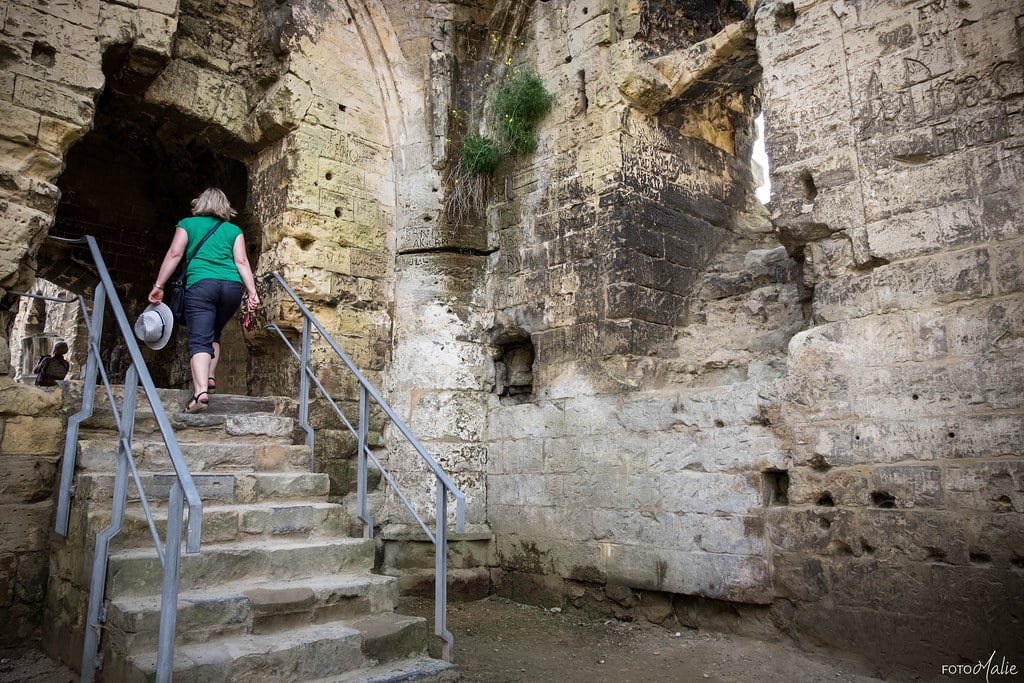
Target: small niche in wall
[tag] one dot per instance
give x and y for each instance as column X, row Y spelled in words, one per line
column 43, row 53
column 513, row 367
column 883, row 499
column 776, row 487
column 785, row 16
column 809, row 187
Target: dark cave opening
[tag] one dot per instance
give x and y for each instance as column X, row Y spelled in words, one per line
column 127, row 182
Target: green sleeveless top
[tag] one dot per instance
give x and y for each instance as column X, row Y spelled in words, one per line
column 215, row 259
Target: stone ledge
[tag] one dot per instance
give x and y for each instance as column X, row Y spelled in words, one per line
column 22, row 399
column 410, row 532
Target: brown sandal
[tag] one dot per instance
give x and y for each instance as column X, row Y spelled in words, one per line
column 196, row 404
column 211, row 384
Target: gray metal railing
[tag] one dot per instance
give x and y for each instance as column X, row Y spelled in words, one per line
column 182, row 491
column 367, row 392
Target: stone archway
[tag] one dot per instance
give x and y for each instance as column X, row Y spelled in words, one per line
column 127, row 182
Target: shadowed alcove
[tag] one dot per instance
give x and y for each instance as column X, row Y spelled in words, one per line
column 127, row 183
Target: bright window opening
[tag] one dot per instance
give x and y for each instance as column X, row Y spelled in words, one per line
column 759, row 161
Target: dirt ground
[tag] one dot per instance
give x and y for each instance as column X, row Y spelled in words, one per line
column 32, row 666
column 499, row 641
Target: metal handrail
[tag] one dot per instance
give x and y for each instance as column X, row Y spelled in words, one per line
column 183, row 491
column 444, row 484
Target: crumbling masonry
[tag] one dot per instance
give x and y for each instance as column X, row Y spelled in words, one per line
column 663, row 399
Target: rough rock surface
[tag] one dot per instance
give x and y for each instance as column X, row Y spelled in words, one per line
column 897, row 170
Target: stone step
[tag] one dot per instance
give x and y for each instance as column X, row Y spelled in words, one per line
column 422, row 669
column 225, row 523
column 227, row 487
column 310, row 652
column 174, row 400
column 136, row 572
column 200, row 426
column 389, row 637
column 99, row 455
column 254, row 607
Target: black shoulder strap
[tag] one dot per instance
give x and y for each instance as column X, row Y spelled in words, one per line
column 201, row 242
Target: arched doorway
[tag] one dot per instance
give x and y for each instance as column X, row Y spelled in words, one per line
column 127, row 182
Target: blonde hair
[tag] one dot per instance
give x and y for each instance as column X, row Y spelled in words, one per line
column 213, row 202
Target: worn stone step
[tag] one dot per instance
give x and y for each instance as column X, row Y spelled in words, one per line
column 389, row 637
column 257, row 606
column 174, row 400
column 422, row 669
column 224, row 523
column 138, row 571
column 199, row 426
column 227, row 487
column 311, row 652
column 99, row 455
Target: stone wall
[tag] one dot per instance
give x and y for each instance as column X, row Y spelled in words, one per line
column 439, row 369
column 631, row 253
column 727, row 407
column 327, row 193
column 895, row 136
column 50, row 73
column 31, row 429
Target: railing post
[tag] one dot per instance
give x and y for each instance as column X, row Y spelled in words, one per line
column 361, row 483
column 169, row 593
column 367, row 391
column 183, row 488
column 98, row 582
column 126, row 430
column 67, row 471
column 441, row 572
column 304, row 389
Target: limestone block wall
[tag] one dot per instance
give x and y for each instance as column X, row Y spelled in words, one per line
column 664, row 489
column 895, row 137
column 50, row 73
column 629, row 251
column 441, row 369
column 31, row 428
column 327, row 190
column 870, row 461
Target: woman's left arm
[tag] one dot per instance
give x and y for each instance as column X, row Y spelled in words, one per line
column 252, row 299
column 171, row 260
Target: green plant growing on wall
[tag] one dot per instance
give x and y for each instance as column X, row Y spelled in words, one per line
column 480, row 155
column 518, row 106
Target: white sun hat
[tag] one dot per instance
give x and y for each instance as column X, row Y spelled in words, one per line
column 155, row 325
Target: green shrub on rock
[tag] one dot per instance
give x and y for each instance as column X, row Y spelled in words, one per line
column 518, row 105
column 480, row 155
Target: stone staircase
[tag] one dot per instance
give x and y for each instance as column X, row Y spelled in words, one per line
column 279, row 591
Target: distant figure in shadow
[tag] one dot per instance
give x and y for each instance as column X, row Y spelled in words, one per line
column 50, row 369
column 218, row 267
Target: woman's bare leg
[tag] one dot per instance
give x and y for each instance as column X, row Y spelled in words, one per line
column 200, row 372
column 213, row 361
